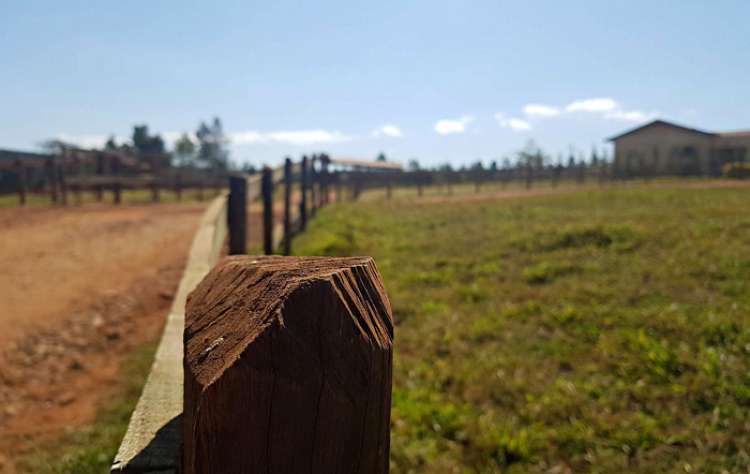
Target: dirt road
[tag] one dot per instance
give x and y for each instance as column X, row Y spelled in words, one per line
column 79, row 288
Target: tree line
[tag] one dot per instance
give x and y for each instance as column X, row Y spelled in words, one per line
column 206, row 149
column 530, row 158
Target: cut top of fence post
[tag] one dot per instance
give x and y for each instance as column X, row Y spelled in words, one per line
column 288, row 367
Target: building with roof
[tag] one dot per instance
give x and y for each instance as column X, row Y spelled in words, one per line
column 665, row 148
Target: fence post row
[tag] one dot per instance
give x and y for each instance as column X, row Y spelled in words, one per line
column 237, row 215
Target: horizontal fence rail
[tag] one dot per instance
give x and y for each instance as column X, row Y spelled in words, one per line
column 153, row 435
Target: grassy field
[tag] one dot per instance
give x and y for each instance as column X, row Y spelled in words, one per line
column 596, row 331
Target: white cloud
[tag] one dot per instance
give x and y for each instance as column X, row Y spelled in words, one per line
column 513, row 123
column 287, row 137
column 540, row 110
column 450, row 126
column 634, row 116
column 387, row 130
column 603, row 104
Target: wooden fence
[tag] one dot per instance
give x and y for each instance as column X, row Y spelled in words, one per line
column 73, row 172
column 218, row 399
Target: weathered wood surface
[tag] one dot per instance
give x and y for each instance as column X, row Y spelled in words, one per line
column 288, row 367
column 152, row 441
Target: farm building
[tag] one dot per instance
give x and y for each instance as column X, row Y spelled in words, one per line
column 664, row 148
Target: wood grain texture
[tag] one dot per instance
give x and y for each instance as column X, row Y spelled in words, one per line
column 288, row 367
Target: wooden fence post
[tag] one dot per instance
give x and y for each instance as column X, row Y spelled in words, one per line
column 267, row 192
column 78, row 173
column 529, row 176
column 21, row 175
column 288, row 368
column 51, row 180
column 304, row 184
column 62, row 185
column 201, row 196
column 357, row 185
column 178, row 186
column 288, row 181
column 324, row 180
column 313, row 186
column 155, row 191
column 117, row 185
column 338, row 194
column 99, row 171
column 237, row 215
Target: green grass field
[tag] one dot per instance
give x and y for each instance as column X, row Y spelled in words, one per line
column 598, row 331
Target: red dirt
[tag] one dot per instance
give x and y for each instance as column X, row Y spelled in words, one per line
column 80, row 288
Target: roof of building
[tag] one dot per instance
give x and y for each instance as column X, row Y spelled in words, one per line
column 660, row 122
column 730, row 134
column 364, row 164
column 735, row 133
column 21, row 155
column 9, row 158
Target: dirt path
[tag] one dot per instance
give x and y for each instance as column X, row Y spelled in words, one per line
column 80, row 287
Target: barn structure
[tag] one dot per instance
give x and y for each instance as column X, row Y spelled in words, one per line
column 665, row 148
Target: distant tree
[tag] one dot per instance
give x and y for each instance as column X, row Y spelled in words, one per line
column 55, row 145
column 184, row 150
column 493, row 165
column 506, row 163
column 111, row 144
column 249, row 168
column 594, row 157
column 145, row 143
column 413, row 165
column 381, row 157
column 212, row 143
column 530, row 158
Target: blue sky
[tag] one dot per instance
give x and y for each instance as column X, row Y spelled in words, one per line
column 435, row 80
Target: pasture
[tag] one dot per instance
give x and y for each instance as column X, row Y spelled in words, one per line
column 590, row 331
